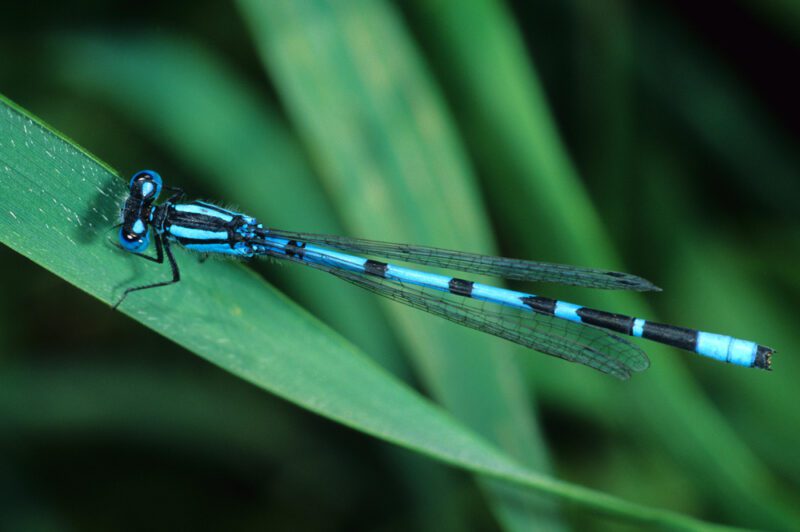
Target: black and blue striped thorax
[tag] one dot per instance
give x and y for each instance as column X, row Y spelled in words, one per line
column 206, row 228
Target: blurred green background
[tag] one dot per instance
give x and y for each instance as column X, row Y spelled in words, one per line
column 658, row 138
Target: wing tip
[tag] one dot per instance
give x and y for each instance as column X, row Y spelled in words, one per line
column 635, row 366
column 622, row 369
column 633, row 282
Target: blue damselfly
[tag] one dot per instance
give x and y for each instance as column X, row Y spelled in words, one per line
column 558, row 328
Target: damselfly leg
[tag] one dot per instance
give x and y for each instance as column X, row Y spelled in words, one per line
column 162, row 248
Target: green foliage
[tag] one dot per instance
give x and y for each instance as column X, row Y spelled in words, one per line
column 441, row 123
column 58, row 203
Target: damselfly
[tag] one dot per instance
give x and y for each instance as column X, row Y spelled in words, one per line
column 558, row 328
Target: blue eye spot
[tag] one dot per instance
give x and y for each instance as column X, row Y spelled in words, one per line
column 149, row 180
column 138, row 226
column 134, row 242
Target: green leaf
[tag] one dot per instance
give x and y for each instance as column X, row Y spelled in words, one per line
column 115, row 395
column 238, row 135
column 57, row 205
column 385, row 150
column 534, row 184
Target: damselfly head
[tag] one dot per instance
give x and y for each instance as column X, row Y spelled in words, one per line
column 145, row 186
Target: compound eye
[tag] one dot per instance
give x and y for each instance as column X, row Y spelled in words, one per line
column 132, row 240
column 146, row 184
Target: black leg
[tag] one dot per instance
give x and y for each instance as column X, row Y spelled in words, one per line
column 176, row 274
column 177, row 194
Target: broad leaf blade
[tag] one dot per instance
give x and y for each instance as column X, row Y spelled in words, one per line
column 238, row 147
column 55, row 203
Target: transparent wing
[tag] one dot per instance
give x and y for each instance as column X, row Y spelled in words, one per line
column 522, row 270
column 584, row 344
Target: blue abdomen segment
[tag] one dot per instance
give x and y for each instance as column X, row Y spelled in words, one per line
column 313, row 254
column 716, row 346
column 727, row 348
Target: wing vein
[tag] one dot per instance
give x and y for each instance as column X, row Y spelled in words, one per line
column 581, row 343
column 507, row 268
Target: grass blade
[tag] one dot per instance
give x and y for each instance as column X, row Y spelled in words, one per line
column 361, row 101
column 238, row 134
column 56, row 205
column 534, row 184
